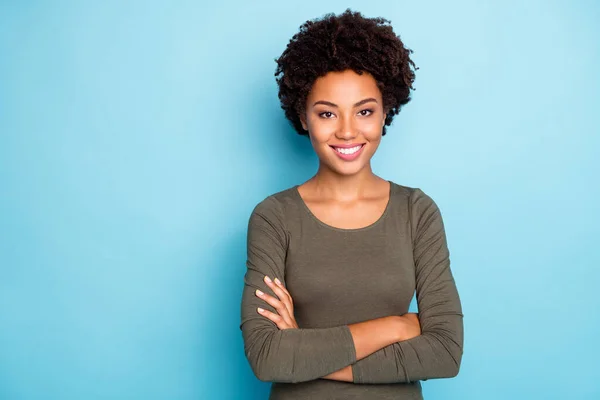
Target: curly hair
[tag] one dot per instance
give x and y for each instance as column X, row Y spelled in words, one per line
column 338, row 43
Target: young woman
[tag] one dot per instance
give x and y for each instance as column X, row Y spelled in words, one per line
column 333, row 263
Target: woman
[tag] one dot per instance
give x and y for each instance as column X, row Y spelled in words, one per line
column 333, row 262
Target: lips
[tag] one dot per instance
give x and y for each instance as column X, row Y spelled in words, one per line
column 346, row 146
column 351, row 156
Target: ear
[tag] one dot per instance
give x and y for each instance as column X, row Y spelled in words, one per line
column 303, row 121
column 384, row 118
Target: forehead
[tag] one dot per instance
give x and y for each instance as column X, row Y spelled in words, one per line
column 344, row 87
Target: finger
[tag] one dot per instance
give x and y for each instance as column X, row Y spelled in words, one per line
column 278, row 288
column 288, row 300
column 287, row 293
column 277, row 304
column 277, row 319
column 282, row 294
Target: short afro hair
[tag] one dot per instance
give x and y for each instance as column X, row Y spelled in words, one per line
column 338, row 43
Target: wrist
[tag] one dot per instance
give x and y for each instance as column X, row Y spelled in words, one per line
column 399, row 330
column 408, row 326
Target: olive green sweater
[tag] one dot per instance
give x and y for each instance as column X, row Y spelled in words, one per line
column 337, row 277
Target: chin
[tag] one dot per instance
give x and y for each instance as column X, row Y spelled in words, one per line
column 347, row 170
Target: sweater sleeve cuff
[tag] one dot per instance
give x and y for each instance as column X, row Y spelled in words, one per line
column 349, row 340
column 371, row 366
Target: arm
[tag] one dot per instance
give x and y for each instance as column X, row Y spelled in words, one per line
column 370, row 336
column 294, row 355
column 409, row 327
column 437, row 352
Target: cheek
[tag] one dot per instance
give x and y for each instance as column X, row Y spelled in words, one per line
column 322, row 130
column 371, row 128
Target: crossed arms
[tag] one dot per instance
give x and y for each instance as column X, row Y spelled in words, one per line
column 374, row 351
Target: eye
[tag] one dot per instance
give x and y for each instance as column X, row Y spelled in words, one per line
column 326, row 114
column 365, row 112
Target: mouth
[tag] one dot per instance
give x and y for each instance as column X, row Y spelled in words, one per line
column 348, row 153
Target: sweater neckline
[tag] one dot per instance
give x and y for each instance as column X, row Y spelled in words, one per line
column 335, row 228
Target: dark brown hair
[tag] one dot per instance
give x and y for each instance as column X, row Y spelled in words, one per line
column 340, row 42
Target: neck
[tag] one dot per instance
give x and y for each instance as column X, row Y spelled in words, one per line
column 332, row 185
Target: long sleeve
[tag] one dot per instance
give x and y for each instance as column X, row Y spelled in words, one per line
column 437, row 352
column 288, row 355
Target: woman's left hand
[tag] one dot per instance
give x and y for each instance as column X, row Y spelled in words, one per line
column 283, row 304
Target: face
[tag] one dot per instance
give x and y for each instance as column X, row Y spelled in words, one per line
column 344, row 118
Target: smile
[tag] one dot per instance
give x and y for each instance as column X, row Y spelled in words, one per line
column 348, row 153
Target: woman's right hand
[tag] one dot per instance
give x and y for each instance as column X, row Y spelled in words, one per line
column 412, row 326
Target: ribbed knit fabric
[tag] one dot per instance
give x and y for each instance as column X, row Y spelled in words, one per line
column 337, row 277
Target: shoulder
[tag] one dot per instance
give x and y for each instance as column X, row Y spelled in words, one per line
column 414, row 200
column 419, row 209
column 409, row 194
column 275, row 207
column 275, row 203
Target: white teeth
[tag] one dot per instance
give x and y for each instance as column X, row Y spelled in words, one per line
column 351, row 150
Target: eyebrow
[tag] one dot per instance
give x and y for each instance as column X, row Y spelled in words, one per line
column 360, row 103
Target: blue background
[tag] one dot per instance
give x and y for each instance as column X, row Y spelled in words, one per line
column 136, row 137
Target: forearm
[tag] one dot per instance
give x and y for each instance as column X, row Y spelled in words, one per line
column 293, row 355
column 387, row 330
column 375, row 334
column 437, row 351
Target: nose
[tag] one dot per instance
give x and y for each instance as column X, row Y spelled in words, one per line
column 346, row 129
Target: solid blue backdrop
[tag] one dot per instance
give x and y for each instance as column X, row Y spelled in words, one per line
column 136, row 137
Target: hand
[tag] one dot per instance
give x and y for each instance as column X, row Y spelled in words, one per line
column 283, row 304
column 412, row 325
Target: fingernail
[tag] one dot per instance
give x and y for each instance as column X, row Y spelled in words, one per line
column 267, row 279
column 258, row 292
column 260, row 310
column 277, row 281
